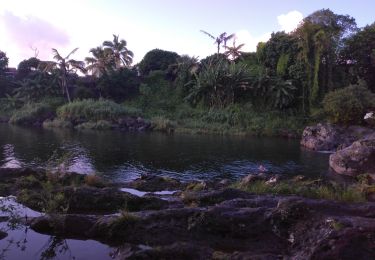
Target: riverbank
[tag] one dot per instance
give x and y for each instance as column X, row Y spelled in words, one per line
column 155, row 217
column 107, row 115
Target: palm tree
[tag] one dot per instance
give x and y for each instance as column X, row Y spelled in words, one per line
column 63, row 66
column 221, row 39
column 101, row 62
column 234, row 51
column 121, row 55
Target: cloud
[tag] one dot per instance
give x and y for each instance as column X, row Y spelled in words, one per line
column 32, row 32
column 288, row 22
column 250, row 41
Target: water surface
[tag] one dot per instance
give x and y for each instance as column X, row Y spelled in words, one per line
column 124, row 156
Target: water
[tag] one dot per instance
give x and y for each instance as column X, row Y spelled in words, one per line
column 125, row 156
column 24, row 243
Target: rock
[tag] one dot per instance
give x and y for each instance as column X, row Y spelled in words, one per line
column 370, row 118
column 133, row 124
column 107, row 200
column 153, row 183
column 322, row 137
column 356, row 159
column 328, row 137
column 236, row 228
column 3, row 235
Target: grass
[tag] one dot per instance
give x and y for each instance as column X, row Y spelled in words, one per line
column 94, row 110
column 30, row 113
column 308, row 189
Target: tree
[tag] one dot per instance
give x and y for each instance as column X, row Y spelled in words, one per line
column 234, row 52
column 157, row 60
column 3, row 62
column 119, row 85
column 63, row 66
column 321, row 37
column 26, row 67
column 101, row 62
column 221, row 39
column 359, row 55
column 217, row 84
column 120, row 54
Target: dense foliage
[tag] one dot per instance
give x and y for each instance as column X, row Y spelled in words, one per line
column 91, row 110
column 348, row 105
column 286, row 80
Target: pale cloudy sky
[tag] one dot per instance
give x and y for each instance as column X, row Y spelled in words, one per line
column 147, row 24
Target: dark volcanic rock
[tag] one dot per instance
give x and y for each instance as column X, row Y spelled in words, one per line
column 3, row 235
column 108, row 200
column 256, row 227
column 153, row 183
column 356, row 159
column 327, row 137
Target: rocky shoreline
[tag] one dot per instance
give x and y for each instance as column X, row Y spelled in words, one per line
column 197, row 220
column 353, row 148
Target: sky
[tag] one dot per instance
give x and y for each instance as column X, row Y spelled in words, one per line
column 32, row 28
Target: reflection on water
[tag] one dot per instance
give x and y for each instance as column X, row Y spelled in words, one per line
column 124, row 156
column 10, row 160
column 24, row 243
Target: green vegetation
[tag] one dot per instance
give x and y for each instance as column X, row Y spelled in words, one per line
column 30, row 113
column 291, row 80
column 311, row 189
column 348, row 105
column 92, row 110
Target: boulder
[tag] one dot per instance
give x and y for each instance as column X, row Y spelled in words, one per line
column 328, row 137
column 356, row 159
column 370, row 118
column 322, row 137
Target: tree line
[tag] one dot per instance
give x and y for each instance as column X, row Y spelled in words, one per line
column 291, row 72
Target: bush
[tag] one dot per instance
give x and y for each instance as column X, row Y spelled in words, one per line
column 157, row 60
column 91, row 110
column 163, row 124
column 31, row 113
column 99, row 125
column 348, row 105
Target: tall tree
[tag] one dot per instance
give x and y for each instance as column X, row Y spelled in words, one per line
column 63, row 66
column 3, row 61
column 359, row 55
column 222, row 39
column 321, row 36
column 121, row 55
column 101, row 61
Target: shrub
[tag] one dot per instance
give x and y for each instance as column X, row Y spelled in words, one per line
column 99, row 125
column 348, row 105
column 163, row 124
column 94, row 181
column 91, row 110
column 31, row 113
column 57, row 123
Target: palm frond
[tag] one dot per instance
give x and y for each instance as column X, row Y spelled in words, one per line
column 208, row 34
column 73, row 51
column 56, row 55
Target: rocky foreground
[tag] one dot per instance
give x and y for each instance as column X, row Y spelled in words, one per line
column 193, row 220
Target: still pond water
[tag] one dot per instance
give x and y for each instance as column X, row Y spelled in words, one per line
column 125, row 156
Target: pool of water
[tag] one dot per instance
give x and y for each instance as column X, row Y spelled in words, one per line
column 24, row 243
column 125, row 156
